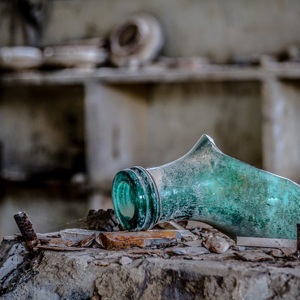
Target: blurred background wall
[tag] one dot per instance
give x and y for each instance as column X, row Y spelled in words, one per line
column 212, row 28
column 53, row 137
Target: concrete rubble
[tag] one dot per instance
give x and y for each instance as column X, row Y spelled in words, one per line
column 72, row 264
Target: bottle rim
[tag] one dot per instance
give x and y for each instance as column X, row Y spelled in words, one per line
column 136, row 199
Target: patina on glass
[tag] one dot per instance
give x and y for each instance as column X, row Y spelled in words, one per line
column 211, row 187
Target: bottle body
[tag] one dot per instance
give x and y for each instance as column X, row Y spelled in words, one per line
column 236, row 198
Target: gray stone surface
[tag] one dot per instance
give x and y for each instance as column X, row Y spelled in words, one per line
column 136, row 274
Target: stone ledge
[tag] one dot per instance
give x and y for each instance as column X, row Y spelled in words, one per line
column 106, row 274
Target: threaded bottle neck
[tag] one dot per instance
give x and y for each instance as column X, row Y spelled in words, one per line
column 135, row 199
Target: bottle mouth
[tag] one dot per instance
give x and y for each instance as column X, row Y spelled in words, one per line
column 135, row 199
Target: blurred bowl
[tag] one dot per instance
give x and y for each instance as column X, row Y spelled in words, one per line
column 20, row 57
column 68, row 56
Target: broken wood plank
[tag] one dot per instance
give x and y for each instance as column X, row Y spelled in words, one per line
column 265, row 242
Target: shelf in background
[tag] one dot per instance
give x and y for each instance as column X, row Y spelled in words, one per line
column 151, row 74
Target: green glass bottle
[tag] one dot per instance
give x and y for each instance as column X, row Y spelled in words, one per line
column 211, row 187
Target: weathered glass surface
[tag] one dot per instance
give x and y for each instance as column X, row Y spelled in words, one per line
column 211, row 187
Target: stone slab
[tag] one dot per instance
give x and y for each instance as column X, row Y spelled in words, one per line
column 148, row 275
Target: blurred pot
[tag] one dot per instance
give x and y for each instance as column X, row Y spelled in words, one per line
column 136, row 41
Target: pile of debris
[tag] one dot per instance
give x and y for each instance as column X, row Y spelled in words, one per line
column 101, row 229
column 102, row 243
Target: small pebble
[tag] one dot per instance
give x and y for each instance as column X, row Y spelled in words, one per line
column 125, row 261
column 216, row 244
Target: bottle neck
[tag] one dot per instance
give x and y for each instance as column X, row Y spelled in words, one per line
column 136, row 199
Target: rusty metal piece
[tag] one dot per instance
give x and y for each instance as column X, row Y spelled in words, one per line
column 27, row 231
column 124, row 240
column 298, row 237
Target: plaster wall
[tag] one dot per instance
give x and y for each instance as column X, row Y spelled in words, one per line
column 159, row 123
column 42, row 128
column 281, row 128
column 180, row 113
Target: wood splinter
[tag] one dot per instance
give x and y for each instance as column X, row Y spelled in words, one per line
column 27, row 231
